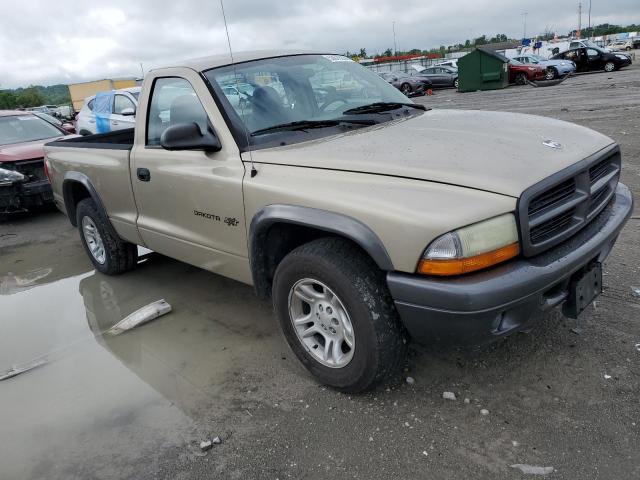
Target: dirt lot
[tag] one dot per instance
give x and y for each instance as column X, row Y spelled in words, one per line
column 137, row 405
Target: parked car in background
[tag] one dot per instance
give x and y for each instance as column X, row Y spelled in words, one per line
column 554, row 68
column 519, row 73
column 23, row 181
column 594, row 58
column 439, row 77
column 586, row 44
column 621, row 45
column 66, row 126
column 406, row 83
column 108, row 111
column 50, row 109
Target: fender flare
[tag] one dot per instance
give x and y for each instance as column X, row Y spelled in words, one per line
column 330, row 222
column 67, row 191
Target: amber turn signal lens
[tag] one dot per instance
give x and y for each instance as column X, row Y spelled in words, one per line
column 458, row 266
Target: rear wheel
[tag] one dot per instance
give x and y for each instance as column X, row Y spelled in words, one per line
column 609, row 67
column 521, row 79
column 107, row 251
column 455, row 83
column 337, row 315
column 405, row 88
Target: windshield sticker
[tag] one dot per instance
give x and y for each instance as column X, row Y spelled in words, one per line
column 337, row 58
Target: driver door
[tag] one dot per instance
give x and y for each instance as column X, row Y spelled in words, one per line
column 190, row 203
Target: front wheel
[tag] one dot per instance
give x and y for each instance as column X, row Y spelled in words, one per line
column 406, row 89
column 521, row 79
column 455, row 83
column 609, row 67
column 337, row 315
column 107, row 251
column 550, row 74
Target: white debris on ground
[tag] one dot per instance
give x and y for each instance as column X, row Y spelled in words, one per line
column 206, row 445
column 638, row 346
column 217, row 441
column 141, row 316
column 484, row 411
column 18, row 370
column 532, row 469
column 466, row 400
column 449, row 395
column 425, row 453
column 635, row 290
column 410, row 380
column 607, row 377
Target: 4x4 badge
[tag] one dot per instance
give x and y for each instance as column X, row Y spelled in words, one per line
column 552, row 144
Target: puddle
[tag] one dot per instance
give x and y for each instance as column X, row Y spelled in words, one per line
column 156, row 384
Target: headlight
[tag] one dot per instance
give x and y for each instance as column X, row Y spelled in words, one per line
column 7, row 177
column 472, row 248
column 562, row 64
column 623, row 57
column 532, row 68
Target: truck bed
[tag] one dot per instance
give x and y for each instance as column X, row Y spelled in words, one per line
column 118, row 140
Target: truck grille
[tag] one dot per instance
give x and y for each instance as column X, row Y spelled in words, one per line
column 32, row 169
column 556, row 208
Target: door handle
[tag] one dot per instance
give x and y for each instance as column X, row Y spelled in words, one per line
column 113, row 122
column 144, row 175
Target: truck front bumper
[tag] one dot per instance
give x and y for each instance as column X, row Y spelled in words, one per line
column 484, row 306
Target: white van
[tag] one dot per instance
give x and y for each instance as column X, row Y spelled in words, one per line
column 108, row 111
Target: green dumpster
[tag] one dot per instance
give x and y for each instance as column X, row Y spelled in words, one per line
column 482, row 69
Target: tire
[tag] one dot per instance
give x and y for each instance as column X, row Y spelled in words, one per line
column 108, row 252
column 456, row 83
column 609, row 67
column 521, row 79
column 627, row 48
column 361, row 294
column 84, row 133
column 406, row 89
column 550, row 74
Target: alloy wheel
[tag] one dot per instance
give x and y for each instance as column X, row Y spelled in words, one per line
column 94, row 240
column 322, row 323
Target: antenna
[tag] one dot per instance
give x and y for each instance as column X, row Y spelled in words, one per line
column 254, row 172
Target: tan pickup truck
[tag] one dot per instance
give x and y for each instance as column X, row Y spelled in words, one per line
column 369, row 220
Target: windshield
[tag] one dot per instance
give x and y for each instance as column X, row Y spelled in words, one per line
column 25, row 128
column 300, row 88
column 515, row 62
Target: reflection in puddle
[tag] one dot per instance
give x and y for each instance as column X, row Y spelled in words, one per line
column 118, row 394
column 11, row 283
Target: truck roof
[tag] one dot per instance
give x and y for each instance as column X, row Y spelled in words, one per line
column 213, row 61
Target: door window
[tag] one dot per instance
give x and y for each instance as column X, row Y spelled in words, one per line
column 592, row 53
column 120, row 103
column 173, row 101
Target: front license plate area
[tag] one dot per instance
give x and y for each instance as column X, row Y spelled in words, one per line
column 584, row 287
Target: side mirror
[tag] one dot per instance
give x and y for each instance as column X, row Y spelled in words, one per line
column 128, row 112
column 187, row 136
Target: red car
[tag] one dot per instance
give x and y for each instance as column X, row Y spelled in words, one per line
column 519, row 73
column 23, row 181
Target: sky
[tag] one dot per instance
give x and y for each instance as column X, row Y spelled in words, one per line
column 63, row 41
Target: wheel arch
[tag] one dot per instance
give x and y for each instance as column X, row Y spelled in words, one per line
column 77, row 186
column 278, row 229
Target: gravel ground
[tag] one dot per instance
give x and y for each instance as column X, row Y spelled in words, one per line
column 566, row 395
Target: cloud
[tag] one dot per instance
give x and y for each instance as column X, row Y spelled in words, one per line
column 45, row 42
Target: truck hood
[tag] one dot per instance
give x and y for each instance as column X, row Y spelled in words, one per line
column 24, row 151
column 494, row 151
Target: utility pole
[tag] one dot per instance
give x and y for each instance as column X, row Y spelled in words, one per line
column 524, row 28
column 589, row 16
column 395, row 47
column 579, row 19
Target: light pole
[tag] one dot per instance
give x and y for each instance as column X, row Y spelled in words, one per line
column 589, row 17
column 395, row 47
column 524, row 27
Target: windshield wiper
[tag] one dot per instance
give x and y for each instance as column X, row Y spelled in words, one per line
column 308, row 124
column 379, row 107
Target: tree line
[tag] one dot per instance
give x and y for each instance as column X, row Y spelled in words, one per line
column 595, row 31
column 34, row 96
